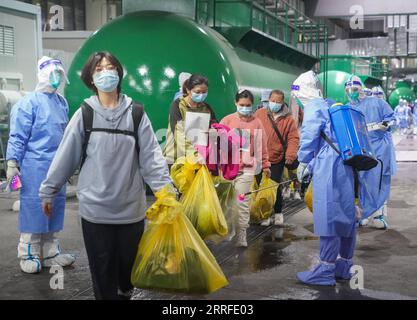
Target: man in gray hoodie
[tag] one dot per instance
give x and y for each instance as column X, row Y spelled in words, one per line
column 111, row 184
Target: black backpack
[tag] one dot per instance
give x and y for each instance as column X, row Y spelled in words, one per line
column 88, row 114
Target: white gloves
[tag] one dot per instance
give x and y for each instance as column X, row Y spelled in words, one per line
column 302, row 171
column 11, row 169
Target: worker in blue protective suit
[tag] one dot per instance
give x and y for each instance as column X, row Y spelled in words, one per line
column 335, row 213
column 37, row 125
column 410, row 120
column 401, row 113
column 378, row 92
column 415, row 116
column 367, row 92
column 378, row 116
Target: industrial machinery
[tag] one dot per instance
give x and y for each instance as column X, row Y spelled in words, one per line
column 230, row 47
column 372, row 71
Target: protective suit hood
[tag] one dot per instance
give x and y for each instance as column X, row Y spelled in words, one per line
column 378, row 92
column 354, row 89
column 45, row 66
column 306, row 88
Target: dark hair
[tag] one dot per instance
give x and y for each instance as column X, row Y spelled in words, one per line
column 244, row 94
column 193, row 81
column 277, row 92
column 90, row 67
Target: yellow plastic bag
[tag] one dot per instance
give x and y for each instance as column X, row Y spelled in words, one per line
column 262, row 202
column 183, row 172
column 202, row 206
column 308, row 197
column 171, row 255
column 227, row 197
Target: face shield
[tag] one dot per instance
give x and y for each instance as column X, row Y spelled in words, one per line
column 367, row 92
column 354, row 89
column 306, row 88
column 378, row 92
column 51, row 74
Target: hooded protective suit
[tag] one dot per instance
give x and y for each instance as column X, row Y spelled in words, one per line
column 378, row 92
column 401, row 113
column 37, row 125
column 377, row 110
column 333, row 187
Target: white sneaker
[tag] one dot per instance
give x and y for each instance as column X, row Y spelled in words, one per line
column 278, row 219
column 266, row 222
column 241, row 239
column 63, row 260
column 32, row 265
column 297, row 196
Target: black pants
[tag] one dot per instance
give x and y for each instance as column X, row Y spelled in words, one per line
column 111, row 251
column 276, row 174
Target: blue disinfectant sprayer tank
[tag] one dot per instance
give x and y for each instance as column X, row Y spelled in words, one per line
column 352, row 137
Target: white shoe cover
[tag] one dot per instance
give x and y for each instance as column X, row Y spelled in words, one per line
column 62, row 259
column 32, row 265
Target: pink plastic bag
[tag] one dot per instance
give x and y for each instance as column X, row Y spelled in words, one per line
column 217, row 157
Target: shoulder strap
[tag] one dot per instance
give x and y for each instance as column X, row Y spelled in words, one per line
column 331, row 144
column 87, row 114
column 284, row 144
column 137, row 114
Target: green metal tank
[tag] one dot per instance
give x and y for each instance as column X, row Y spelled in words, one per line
column 402, row 90
column 415, row 89
column 154, row 47
column 336, row 85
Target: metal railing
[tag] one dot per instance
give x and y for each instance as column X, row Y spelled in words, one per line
column 275, row 18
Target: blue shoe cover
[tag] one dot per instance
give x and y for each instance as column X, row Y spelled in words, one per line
column 322, row 274
column 342, row 270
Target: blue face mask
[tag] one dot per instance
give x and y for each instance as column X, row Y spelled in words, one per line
column 55, row 79
column 198, row 97
column 245, row 111
column 274, row 107
column 106, row 80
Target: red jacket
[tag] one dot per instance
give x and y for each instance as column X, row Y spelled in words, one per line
column 289, row 131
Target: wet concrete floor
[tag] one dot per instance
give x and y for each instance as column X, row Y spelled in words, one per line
column 265, row 270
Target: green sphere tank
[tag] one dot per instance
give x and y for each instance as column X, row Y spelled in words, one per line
column 402, row 90
column 335, row 85
column 154, row 47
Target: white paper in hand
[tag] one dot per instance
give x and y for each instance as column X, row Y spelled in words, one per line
column 196, row 127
